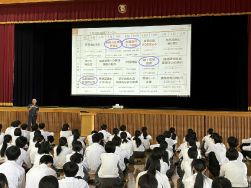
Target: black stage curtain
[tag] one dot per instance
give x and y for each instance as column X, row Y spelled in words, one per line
column 218, row 77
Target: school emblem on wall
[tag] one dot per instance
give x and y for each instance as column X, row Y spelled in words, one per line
column 122, row 8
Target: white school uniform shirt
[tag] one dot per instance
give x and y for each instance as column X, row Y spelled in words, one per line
column 109, row 165
column 164, row 167
column 141, row 148
column 14, row 173
column 72, row 182
column 240, row 158
column 128, row 147
column 207, row 141
column 236, row 172
column 65, row 134
column 112, row 136
column 154, row 146
column 36, row 173
column 246, row 141
column 60, row 160
column 1, row 137
column 189, row 182
column 89, row 139
column 122, row 155
column 14, row 140
column 146, row 141
column 81, row 170
column 68, row 157
column 24, row 158
column 70, row 140
column 219, row 150
column 26, row 134
column 31, row 136
column 163, row 181
column 170, row 142
column 46, row 134
column 184, row 153
column 186, row 166
column 92, row 156
column 38, row 157
column 106, row 135
column 10, row 131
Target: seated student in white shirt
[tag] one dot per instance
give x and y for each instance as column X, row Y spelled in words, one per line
column 70, row 180
column 123, row 129
column 36, row 173
column 1, row 134
column 17, row 133
column 65, row 131
column 34, row 144
column 75, row 137
column 89, row 137
column 60, row 153
column 43, row 149
column 184, row 152
column 161, row 155
column 105, row 132
column 138, row 147
column 109, row 173
column 127, row 145
column 246, row 148
column 232, row 142
column 41, row 127
column 78, row 159
column 147, row 181
column 101, row 138
column 15, row 173
column 173, row 134
column 34, row 128
column 3, row 181
column 234, row 170
column 48, row 182
column 153, row 168
column 7, row 142
column 24, row 158
column 198, row 180
column 207, row 139
column 25, row 132
column 93, row 153
column 221, row 182
column 10, row 130
column 146, row 138
column 186, row 165
column 160, row 138
column 169, row 140
column 77, row 147
column 121, row 153
column 115, row 132
column 216, row 154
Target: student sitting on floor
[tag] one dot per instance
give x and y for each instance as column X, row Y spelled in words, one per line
column 198, row 180
column 160, row 138
column 33, row 148
column 93, row 153
column 14, row 173
column 121, row 153
column 36, row 173
column 7, row 142
column 77, row 147
column 75, row 137
column 146, row 138
column 153, row 168
column 109, row 174
column 207, row 139
column 138, row 147
column 24, row 158
column 3, row 181
column 10, row 130
column 105, row 132
column 25, row 132
column 123, row 129
column 43, row 149
column 65, row 131
column 48, row 182
column 115, row 132
column 233, row 143
column 234, row 170
column 89, row 137
column 17, row 133
column 147, row 181
column 169, row 140
column 127, row 145
column 78, row 159
column 60, row 153
column 41, row 127
column 70, row 180
column 221, row 182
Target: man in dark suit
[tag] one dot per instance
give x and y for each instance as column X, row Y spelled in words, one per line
column 33, row 111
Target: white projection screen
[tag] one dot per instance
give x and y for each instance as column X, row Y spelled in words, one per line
column 132, row 61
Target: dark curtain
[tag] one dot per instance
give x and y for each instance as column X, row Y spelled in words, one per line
column 6, row 64
column 108, row 9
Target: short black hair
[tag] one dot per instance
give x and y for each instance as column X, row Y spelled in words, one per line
column 116, row 140
column 210, row 131
column 147, row 181
column 77, row 146
column 12, row 153
column 70, row 169
column 110, row 147
column 122, row 128
column 50, row 138
column 232, row 154
column 216, row 137
column 41, row 125
column 160, row 138
column 232, row 142
column 76, row 158
column 48, row 182
column 34, row 127
column 221, row 182
column 46, row 159
column 24, row 126
column 21, row 141
column 65, row 127
column 14, row 123
column 3, row 181
column 44, row 148
column 17, row 132
column 95, row 138
column 192, row 153
column 103, row 126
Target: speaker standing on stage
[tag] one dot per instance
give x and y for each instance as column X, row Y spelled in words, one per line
column 33, row 111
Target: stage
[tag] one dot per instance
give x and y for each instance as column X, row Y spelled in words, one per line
column 227, row 123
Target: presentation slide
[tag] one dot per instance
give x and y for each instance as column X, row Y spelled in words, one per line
column 132, row 61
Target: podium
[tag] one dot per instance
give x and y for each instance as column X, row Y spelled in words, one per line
column 87, row 123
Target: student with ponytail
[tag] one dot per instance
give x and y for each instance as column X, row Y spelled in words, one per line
column 115, row 132
column 138, row 147
column 198, row 180
column 146, row 138
column 75, row 137
column 77, row 147
column 126, row 145
column 153, row 171
column 7, row 140
column 60, row 153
